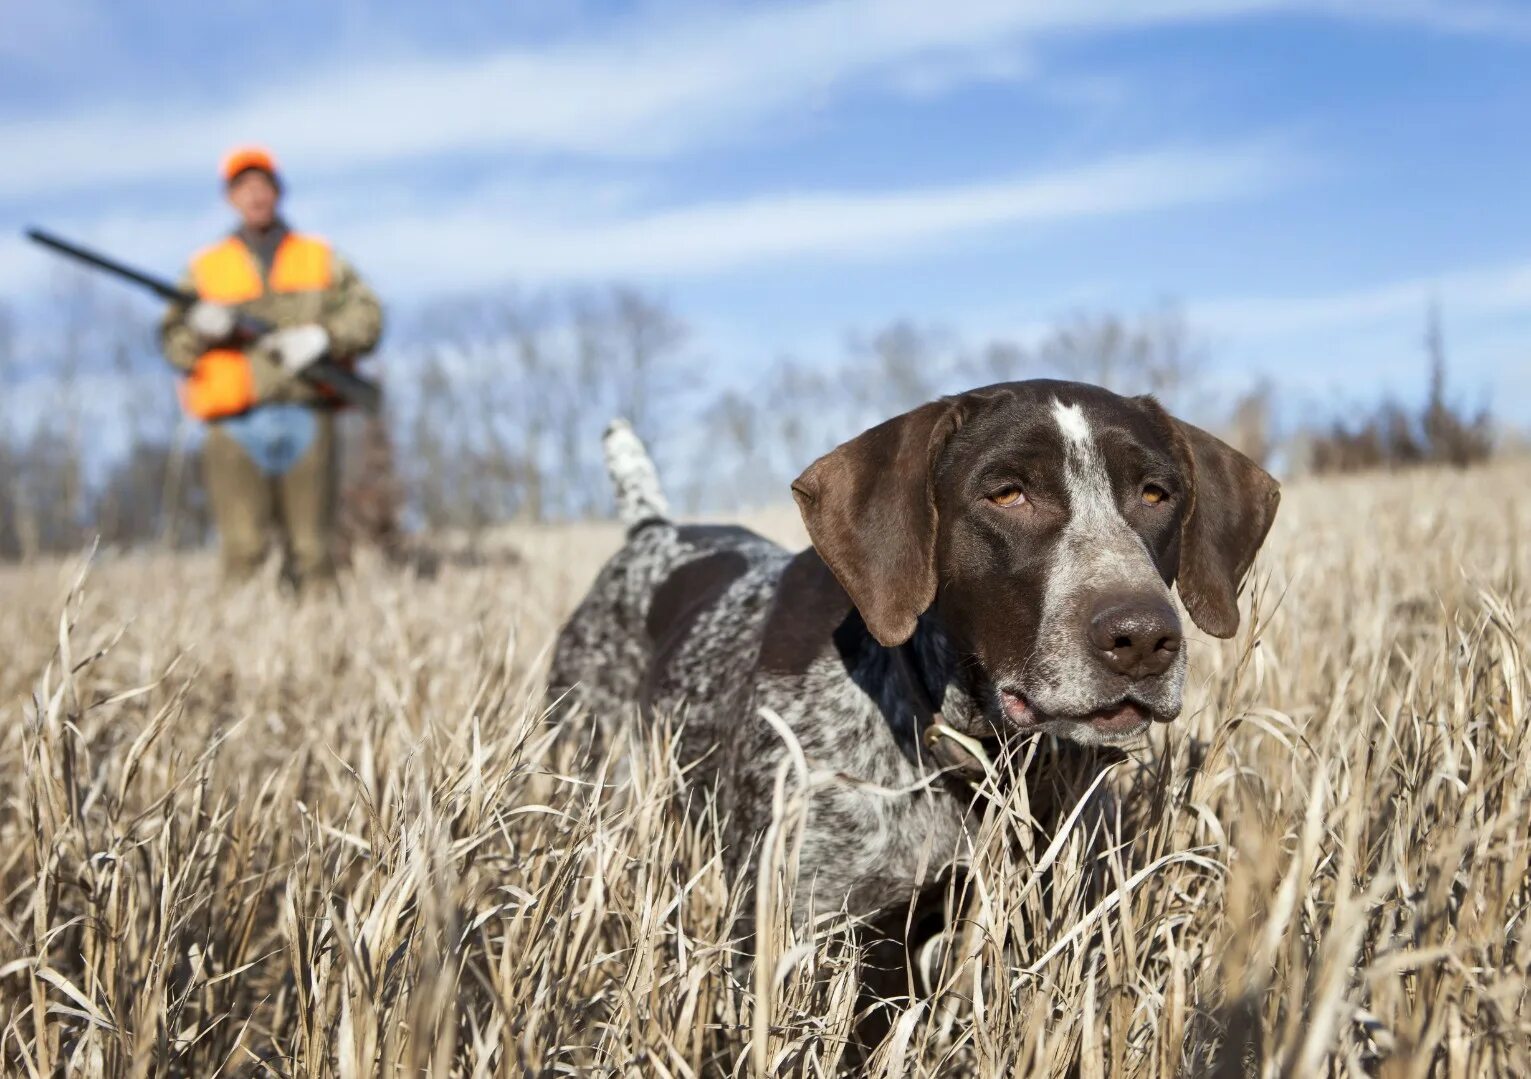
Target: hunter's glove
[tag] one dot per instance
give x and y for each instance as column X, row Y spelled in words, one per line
column 212, row 322
column 297, row 347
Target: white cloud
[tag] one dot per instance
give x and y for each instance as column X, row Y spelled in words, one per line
column 435, row 248
column 659, row 87
column 494, row 236
column 1447, row 16
column 1467, row 293
column 1357, row 344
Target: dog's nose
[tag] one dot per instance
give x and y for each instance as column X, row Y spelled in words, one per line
column 1138, row 637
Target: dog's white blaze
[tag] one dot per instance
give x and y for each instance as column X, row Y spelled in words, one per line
column 1091, row 504
column 1098, row 551
column 1072, row 423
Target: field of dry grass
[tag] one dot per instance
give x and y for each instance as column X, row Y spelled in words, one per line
column 242, row 835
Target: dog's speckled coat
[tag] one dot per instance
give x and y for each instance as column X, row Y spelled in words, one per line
column 921, row 594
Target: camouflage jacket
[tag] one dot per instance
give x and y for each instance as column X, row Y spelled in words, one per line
column 348, row 310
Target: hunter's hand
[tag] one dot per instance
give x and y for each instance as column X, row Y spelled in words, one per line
column 212, row 322
column 297, row 347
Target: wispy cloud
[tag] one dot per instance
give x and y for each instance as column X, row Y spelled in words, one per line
column 438, row 248
column 1450, row 16
column 492, row 237
column 658, row 87
column 1472, row 292
column 1351, row 345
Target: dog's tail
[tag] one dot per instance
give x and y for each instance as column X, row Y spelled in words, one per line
column 633, row 476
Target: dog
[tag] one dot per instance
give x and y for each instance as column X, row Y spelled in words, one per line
column 994, row 565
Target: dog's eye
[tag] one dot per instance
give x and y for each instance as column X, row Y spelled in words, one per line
column 1154, row 494
column 1008, row 496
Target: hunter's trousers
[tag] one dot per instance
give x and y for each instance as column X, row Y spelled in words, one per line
column 257, row 493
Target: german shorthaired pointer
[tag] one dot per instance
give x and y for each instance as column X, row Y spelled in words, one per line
column 996, row 564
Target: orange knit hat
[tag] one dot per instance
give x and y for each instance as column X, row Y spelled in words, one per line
column 244, row 158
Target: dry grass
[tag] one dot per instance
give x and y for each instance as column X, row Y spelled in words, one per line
column 246, row 836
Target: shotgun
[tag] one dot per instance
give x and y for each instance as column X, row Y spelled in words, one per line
column 350, row 387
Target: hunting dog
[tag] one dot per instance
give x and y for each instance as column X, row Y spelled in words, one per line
column 993, row 565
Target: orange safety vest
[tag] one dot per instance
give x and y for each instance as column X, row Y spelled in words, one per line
column 221, row 383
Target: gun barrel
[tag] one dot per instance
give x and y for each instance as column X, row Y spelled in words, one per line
column 157, row 285
column 352, row 388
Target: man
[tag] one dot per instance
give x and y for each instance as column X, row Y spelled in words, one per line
column 270, row 461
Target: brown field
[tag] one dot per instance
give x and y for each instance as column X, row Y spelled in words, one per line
column 242, row 835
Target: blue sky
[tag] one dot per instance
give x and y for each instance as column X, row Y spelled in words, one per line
column 1301, row 176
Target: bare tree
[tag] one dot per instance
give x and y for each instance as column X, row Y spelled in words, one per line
column 431, row 477
column 74, row 314
column 999, row 361
column 1391, row 436
column 19, row 531
column 1251, row 425
column 510, row 393
column 1156, row 353
column 1452, row 437
column 645, row 335
column 736, row 443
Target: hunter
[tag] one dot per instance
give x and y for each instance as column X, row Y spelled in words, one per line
column 271, row 458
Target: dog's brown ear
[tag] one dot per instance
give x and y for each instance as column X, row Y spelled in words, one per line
column 1233, row 503
column 871, row 513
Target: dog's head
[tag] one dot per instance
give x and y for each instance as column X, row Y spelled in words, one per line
column 1044, row 523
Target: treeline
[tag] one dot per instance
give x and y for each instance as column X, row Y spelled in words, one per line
column 496, row 404
column 90, row 442
column 1392, row 435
